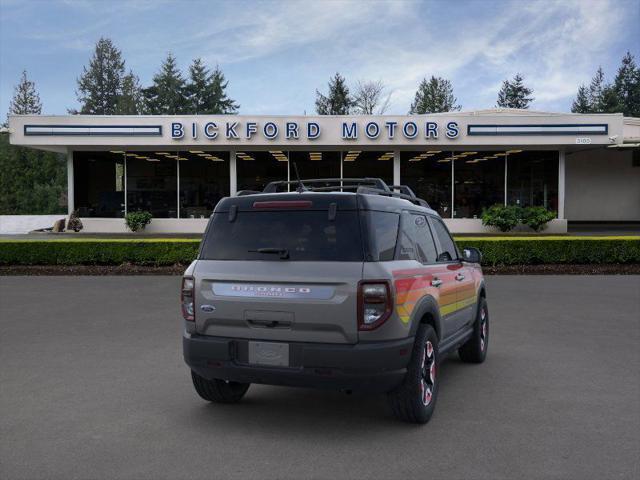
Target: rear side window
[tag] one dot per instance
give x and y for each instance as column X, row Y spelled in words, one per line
column 304, row 235
column 416, row 242
column 448, row 248
column 383, row 234
column 406, row 248
column 424, row 241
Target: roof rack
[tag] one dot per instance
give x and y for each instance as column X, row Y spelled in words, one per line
column 352, row 182
column 242, row 193
column 368, row 185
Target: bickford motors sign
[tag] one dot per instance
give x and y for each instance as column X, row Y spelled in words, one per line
column 294, row 130
column 233, row 131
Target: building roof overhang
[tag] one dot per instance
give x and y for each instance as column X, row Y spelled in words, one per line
column 478, row 128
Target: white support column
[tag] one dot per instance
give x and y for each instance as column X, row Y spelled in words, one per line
column 125, row 186
column 70, row 185
column 288, row 172
column 506, row 169
column 177, row 188
column 561, row 177
column 233, row 176
column 396, row 167
column 453, row 184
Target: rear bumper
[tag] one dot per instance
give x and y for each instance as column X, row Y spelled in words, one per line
column 370, row 367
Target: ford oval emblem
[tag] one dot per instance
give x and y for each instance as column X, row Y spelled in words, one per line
column 207, row 308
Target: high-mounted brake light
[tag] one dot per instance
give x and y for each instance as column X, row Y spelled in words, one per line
column 375, row 304
column 284, row 204
column 187, row 298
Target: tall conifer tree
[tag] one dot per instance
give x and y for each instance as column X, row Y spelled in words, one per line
column 31, row 181
column 514, row 93
column 433, row 96
column 130, row 100
column 206, row 92
column 25, row 99
column 338, row 101
column 581, row 104
column 627, row 86
column 167, row 94
column 100, row 85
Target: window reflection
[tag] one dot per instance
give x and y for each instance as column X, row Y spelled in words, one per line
column 204, row 181
column 99, row 184
column 315, row 164
column 428, row 173
column 532, row 179
column 152, row 183
column 478, row 182
column 256, row 169
column 378, row 164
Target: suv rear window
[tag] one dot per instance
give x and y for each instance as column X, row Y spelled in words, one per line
column 305, row 235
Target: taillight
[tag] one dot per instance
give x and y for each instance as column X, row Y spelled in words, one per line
column 374, row 304
column 186, row 298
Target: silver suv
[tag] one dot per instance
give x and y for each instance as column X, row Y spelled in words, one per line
column 346, row 284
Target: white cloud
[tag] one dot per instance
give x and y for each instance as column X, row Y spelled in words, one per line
column 556, row 45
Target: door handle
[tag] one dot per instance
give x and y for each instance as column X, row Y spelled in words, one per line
column 436, row 282
column 459, row 277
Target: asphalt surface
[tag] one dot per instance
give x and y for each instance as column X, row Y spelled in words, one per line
column 92, row 385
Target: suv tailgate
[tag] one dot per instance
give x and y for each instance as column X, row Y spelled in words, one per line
column 254, row 300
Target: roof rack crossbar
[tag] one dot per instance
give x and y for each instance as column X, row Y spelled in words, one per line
column 272, row 187
column 412, row 198
column 369, row 185
column 406, row 189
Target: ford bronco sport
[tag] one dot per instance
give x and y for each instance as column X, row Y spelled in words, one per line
column 344, row 283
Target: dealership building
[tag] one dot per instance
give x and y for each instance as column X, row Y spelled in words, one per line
column 586, row 168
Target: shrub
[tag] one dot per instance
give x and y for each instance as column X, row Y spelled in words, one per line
column 137, row 220
column 495, row 251
column 503, row 217
column 537, row 217
column 563, row 250
column 74, row 223
column 98, row 252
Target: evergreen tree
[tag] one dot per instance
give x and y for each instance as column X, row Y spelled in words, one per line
column 31, row 181
column 433, row 96
column 610, row 101
column 627, row 86
column 206, row 91
column 130, row 101
column 167, row 95
column 596, row 91
column 581, row 104
column 338, row 101
column 100, row 85
column 218, row 100
column 25, row 99
column 514, row 94
column 196, row 89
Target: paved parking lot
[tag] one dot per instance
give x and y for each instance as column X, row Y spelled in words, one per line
column 92, row 385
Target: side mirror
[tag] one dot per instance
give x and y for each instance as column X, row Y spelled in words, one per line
column 471, row 255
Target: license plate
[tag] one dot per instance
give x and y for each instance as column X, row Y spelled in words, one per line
column 269, row 353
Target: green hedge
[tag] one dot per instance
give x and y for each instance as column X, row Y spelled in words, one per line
column 98, row 252
column 569, row 250
column 495, row 250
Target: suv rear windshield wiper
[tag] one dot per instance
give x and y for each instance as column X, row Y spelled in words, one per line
column 283, row 252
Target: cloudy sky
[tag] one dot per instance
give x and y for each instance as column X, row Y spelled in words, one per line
column 276, row 53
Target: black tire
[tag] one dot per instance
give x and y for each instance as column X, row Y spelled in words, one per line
column 415, row 400
column 219, row 391
column 475, row 349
